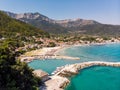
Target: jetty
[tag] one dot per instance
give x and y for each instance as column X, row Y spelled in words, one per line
column 69, row 70
column 59, row 80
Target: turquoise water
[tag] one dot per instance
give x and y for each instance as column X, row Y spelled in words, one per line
column 109, row 52
column 96, row 78
column 50, row 65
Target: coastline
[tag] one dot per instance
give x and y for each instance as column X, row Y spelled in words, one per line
column 53, row 52
column 63, row 72
column 73, row 69
column 46, row 53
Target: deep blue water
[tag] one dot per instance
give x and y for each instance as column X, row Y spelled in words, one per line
column 97, row 76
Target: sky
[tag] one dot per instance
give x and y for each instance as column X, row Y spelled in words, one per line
column 104, row 11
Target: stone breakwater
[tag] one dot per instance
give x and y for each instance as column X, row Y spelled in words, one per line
column 69, row 70
column 59, row 80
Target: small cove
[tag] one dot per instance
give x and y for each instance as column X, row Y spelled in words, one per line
column 108, row 52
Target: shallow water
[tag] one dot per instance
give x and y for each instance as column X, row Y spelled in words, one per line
column 50, row 65
column 109, row 52
column 95, row 78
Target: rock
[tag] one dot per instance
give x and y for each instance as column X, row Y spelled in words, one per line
column 42, row 74
column 59, row 80
column 56, row 83
column 70, row 70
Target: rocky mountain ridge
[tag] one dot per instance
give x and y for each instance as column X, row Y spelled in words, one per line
column 64, row 23
column 73, row 26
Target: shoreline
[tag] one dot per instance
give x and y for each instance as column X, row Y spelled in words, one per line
column 63, row 72
column 53, row 52
column 46, row 53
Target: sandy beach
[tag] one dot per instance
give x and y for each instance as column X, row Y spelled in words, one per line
column 61, row 74
column 53, row 52
column 46, row 53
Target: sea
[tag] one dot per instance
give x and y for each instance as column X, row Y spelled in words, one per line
column 92, row 78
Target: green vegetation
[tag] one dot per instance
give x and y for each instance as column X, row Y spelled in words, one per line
column 15, row 75
column 88, row 39
column 77, row 27
column 51, row 44
column 94, row 29
column 46, row 26
column 97, row 29
column 14, row 35
column 10, row 28
column 22, row 32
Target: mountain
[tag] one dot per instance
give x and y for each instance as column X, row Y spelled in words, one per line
column 82, row 26
column 40, row 21
column 50, row 25
column 26, row 17
column 10, row 27
column 75, row 22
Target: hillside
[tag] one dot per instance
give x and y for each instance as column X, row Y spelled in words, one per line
column 79, row 26
column 99, row 30
column 39, row 21
column 10, row 27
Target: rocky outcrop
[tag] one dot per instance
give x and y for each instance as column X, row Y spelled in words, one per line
column 64, row 23
column 83, row 26
column 75, row 22
column 42, row 74
column 56, row 83
column 51, row 82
